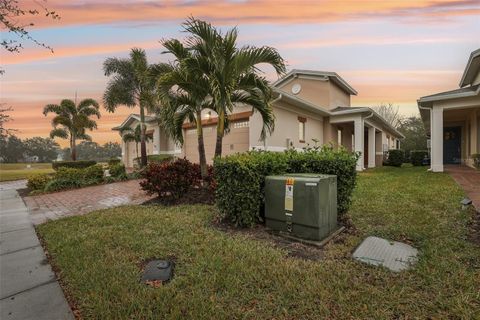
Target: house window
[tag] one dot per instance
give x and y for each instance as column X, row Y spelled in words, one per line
column 301, row 128
column 353, row 142
column 339, row 137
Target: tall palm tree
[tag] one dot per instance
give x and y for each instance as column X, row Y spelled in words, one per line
column 71, row 121
column 233, row 74
column 133, row 135
column 132, row 84
column 184, row 93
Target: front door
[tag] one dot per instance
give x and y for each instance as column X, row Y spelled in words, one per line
column 452, row 145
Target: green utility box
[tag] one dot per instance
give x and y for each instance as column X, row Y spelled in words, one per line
column 303, row 205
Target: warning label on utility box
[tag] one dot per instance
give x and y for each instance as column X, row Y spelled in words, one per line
column 289, row 194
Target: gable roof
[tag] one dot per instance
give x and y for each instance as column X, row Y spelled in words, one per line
column 472, row 69
column 452, row 94
column 331, row 76
column 134, row 117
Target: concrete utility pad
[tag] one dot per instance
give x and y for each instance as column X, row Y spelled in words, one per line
column 393, row 255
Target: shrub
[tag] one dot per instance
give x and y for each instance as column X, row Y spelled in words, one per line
column 417, row 157
column 153, row 158
column 68, row 178
column 80, row 164
column 240, row 178
column 39, row 181
column 61, row 184
column 118, row 171
column 395, row 158
column 113, row 161
column 170, row 180
column 92, row 175
column 476, row 160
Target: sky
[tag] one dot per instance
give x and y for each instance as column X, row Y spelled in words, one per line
column 390, row 51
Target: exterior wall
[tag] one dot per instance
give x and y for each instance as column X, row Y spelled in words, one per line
column 338, row 97
column 286, row 129
column 323, row 93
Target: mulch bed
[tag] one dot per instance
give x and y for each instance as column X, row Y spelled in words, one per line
column 194, row 196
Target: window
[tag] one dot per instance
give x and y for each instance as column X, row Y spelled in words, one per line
column 339, row 137
column 301, row 129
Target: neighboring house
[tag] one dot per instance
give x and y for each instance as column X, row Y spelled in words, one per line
column 308, row 106
column 452, row 119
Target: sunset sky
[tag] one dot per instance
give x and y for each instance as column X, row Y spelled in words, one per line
column 390, row 51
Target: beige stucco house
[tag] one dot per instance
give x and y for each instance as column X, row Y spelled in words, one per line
column 452, row 119
column 308, row 105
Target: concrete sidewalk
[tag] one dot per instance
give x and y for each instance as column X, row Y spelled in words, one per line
column 28, row 287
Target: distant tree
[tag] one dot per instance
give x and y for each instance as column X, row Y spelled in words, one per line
column 4, row 118
column 112, row 150
column 89, row 150
column 390, row 113
column 71, row 121
column 415, row 135
column 46, row 149
column 132, row 84
column 12, row 149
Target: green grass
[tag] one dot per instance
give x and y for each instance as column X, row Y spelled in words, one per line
column 225, row 276
column 18, row 171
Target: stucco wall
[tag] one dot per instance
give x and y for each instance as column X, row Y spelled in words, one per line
column 286, row 127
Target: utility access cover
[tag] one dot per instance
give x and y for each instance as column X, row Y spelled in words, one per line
column 393, row 255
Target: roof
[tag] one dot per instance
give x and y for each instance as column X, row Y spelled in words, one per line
column 472, row 69
column 132, row 117
column 303, row 104
column 332, row 76
column 452, row 94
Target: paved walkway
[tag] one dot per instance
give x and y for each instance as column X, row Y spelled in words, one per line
column 469, row 180
column 80, row 201
column 28, row 287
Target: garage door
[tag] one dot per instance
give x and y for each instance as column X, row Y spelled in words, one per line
column 235, row 141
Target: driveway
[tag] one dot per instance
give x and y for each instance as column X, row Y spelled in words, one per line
column 80, row 201
column 468, row 179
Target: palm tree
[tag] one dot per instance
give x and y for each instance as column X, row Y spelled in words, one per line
column 233, row 74
column 184, row 93
column 132, row 84
column 133, row 135
column 71, row 121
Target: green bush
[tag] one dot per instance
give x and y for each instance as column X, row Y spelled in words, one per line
column 80, row 164
column 118, row 171
column 153, row 158
column 92, row 175
column 113, row 161
column 417, row 157
column 39, row 181
column 61, row 184
column 395, row 158
column 476, row 160
column 240, row 178
column 68, row 178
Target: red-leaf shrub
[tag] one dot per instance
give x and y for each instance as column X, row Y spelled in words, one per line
column 172, row 180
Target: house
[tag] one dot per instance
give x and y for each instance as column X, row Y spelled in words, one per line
column 308, row 106
column 452, row 119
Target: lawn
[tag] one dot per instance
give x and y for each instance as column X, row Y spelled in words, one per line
column 18, row 171
column 222, row 275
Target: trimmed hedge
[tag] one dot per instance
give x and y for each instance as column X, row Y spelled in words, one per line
column 395, row 158
column 113, row 161
column 80, row 164
column 417, row 157
column 117, row 171
column 241, row 178
column 153, row 158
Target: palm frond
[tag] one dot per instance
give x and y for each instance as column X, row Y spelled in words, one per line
column 60, row 133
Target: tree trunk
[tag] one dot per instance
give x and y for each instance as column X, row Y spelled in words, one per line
column 220, row 132
column 143, row 146
column 201, row 147
column 73, row 148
